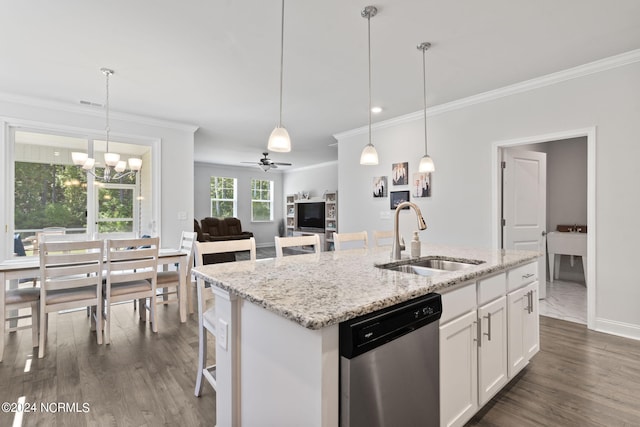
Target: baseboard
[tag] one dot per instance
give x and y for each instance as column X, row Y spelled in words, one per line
column 621, row 329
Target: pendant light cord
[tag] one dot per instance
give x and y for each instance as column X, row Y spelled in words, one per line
column 281, row 60
column 424, row 78
column 108, row 129
column 369, row 47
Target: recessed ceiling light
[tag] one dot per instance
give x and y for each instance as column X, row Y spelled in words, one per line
column 376, row 110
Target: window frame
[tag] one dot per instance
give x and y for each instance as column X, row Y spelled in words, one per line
column 234, row 200
column 261, row 200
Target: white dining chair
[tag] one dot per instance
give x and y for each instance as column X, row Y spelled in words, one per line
column 132, row 273
column 171, row 279
column 207, row 315
column 15, row 304
column 382, row 238
column 360, row 239
column 309, row 240
column 70, row 277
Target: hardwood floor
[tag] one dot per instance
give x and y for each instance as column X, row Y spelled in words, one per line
column 140, row 379
column 579, row 378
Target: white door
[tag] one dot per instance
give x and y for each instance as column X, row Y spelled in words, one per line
column 524, row 205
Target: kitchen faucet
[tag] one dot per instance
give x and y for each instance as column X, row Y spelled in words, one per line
column 396, row 250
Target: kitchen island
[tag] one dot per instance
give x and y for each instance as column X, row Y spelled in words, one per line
column 277, row 349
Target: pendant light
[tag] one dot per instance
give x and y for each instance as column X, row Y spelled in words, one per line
column 369, row 154
column 426, row 163
column 279, row 139
column 111, row 160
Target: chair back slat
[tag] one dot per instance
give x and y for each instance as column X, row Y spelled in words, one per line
column 69, row 265
column 132, row 259
column 304, row 240
column 340, row 238
column 206, row 248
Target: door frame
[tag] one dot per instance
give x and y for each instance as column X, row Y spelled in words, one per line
column 496, row 192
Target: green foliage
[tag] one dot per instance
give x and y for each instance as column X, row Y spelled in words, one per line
column 49, row 196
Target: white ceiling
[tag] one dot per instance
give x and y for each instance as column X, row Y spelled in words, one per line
column 215, row 63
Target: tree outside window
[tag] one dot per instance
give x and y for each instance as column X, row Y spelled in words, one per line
column 223, row 197
column 261, row 200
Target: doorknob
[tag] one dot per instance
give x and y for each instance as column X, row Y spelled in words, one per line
column 544, row 233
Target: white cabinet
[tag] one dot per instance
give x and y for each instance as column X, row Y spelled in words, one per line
column 458, row 370
column 488, row 332
column 492, row 349
column 523, row 327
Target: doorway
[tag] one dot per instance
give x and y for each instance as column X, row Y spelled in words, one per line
column 563, row 208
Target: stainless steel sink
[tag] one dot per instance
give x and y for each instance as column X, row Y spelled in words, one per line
column 429, row 266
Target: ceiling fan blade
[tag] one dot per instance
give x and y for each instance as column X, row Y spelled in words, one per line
column 252, row 163
column 281, row 164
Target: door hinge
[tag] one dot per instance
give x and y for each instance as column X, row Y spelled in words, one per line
column 503, row 165
column 504, row 222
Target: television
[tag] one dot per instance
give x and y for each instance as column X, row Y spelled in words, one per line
column 310, row 215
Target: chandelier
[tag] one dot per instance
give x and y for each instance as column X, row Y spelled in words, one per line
column 114, row 168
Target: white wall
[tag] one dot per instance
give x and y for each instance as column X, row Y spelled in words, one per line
column 460, row 142
column 262, row 231
column 175, row 169
column 315, row 179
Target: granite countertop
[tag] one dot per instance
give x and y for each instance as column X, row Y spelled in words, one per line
column 319, row 290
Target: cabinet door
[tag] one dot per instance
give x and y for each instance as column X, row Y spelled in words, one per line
column 531, row 324
column 492, row 349
column 458, row 370
column 517, row 308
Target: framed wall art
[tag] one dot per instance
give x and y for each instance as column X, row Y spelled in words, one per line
column 400, row 173
column 421, row 185
column 398, row 197
column 379, row 186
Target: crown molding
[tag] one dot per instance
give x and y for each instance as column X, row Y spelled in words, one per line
column 316, row 166
column 594, row 67
column 94, row 111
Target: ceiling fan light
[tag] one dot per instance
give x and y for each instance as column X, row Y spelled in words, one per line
column 279, row 140
column 369, row 156
column 426, row 164
column 265, row 167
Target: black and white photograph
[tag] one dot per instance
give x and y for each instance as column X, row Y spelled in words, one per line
column 379, row 186
column 421, row 184
column 400, row 173
column 398, row 197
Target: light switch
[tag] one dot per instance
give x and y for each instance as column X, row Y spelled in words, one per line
column 182, row 216
column 385, row 214
column 221, row 335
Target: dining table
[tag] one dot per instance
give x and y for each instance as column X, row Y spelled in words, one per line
column 28, row 267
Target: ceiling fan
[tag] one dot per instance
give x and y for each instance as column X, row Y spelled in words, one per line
column 266, row 163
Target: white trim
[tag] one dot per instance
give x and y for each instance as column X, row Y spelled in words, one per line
column 316, row 166
column 94, row 111
column 550, row 79
column 620, row 329
column 496, row 189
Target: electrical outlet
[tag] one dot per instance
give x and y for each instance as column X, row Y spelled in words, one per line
column 182, row 216
column 221, row 334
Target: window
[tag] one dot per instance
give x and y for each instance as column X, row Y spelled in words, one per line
column 223, row 197
column 45, row 189
column 261, row 200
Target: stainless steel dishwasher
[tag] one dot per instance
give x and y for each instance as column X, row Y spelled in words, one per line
column 389, row 366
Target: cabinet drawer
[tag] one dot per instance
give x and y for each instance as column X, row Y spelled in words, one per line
column 519, row 276
column 458, row 302
column 491, row 288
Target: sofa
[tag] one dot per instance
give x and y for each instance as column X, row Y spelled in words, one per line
column 215, row 230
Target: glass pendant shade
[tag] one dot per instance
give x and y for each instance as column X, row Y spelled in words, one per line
column 426, row 164
column 369, row 156
column 279, row 140
column 135, row 164
column 79, row 158
column 88, row 164
column 111, row 159
column 121, row 166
